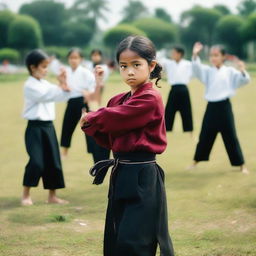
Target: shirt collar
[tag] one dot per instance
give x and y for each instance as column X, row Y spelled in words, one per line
column 143, row 87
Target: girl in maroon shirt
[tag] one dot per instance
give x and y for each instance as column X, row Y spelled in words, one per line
column 132, row 126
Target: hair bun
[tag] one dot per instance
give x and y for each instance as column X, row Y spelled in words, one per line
column 157, row 73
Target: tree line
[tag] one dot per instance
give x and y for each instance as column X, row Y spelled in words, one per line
column 50, row 24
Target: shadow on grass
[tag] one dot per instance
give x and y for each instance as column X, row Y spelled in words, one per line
column 7, row 203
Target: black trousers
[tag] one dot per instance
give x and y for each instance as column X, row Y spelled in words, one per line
column 219, row 118
column 179, row 101
column 71, row 118
column 44, row 157
column 137, row 219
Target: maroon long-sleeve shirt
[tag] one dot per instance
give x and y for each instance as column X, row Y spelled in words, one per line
column 130, row 123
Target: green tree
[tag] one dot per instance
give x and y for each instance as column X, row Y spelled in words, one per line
column 159, row 31
column 9, row 54
column 116, row 34
column 133, row 11
column 6, row 17
column 24, row 33
column 90, row 10
column 198, row 24
column 249, row 28
column 162, row 14
column 229, row 32
column 223, row 9
column 246, row 7
column 77, row 34
column 51, row 16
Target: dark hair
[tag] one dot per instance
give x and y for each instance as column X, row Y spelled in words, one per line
column 145, row 49
column 221, row 48
column 179, row 49
column 98, row 51
column 34, row 58
column 77, row 50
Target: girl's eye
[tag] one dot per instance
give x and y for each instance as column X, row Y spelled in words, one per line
column 123, row 66
column 136, row 65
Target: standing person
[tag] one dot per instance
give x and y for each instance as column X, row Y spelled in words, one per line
column 133, row 126
column 40, row 137
column 179, row 74
column 82, row 81
column 95, row 100
column 220, row 82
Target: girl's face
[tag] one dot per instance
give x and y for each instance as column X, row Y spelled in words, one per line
column 134, row 70
column 96, row 57
column 175, row 55
column 217, row 59
column 74, row 60
column 40, row 71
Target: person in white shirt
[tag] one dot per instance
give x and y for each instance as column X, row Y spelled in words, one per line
column 40, row 137
column 220, row 84
column 83, row 84
column 179, row 74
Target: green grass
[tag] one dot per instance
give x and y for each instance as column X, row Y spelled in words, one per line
column 212, row 210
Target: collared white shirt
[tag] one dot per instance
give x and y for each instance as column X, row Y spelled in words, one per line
column 220, row 83
column 178, row 72
column 80, row 80
column 39, row 96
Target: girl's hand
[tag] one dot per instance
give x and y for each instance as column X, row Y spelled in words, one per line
column 99, row 74
column 197, row 48
column 62, row 77
column 241, row 66
column 83, row 117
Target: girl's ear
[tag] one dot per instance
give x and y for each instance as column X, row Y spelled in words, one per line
column 152, row 65
column 32, row 67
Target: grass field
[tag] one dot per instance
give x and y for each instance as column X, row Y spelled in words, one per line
column 212, row 210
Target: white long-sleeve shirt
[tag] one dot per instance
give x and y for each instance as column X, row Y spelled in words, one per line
column 79, row 80
column 177, row 72
column 39, row 98
column 220, row 83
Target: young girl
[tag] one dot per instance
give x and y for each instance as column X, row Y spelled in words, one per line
column 133, row 126
column 80, row 80
column 220, row 82
column 179, row 74
column 40, row 137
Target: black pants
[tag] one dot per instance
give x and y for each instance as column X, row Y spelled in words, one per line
column 71, row 119
column 219, row 118
column 44, row 157
column 179, row 101
column 137, row 219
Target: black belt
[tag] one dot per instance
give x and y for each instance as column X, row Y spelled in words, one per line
column 100, row 169
column 39, row 123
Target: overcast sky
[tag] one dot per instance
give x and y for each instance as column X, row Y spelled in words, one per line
column 174, row 7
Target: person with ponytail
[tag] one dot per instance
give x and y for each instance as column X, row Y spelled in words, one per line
column 133, row 127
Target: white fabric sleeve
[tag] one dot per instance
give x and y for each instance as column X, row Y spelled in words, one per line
column 90, row 81
column 200, row 70
column 239, row 78
column 46, row 93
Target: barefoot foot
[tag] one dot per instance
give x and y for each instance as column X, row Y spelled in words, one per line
column 192, row 167
column 244, row 170
column 26, row 201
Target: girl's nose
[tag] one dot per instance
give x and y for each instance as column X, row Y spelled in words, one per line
column 130, row 72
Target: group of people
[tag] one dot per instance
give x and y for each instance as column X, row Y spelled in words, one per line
column 133, row 126
column 220, row 83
